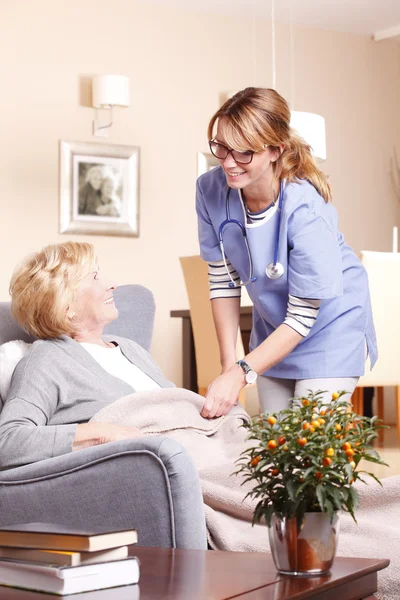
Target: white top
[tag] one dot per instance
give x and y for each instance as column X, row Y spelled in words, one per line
column 115, row 363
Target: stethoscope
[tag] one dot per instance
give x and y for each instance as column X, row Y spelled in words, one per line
column 275, row 269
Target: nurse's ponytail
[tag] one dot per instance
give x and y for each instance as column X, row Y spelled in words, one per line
column 258, row 117
column 296, row 161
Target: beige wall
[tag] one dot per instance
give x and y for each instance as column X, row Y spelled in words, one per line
column 179, row 63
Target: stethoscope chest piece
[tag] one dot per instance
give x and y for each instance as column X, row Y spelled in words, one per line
column 274, row 270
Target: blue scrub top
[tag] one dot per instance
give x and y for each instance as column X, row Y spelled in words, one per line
column 318, row 265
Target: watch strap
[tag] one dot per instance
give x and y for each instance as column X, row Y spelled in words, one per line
column 243, row 364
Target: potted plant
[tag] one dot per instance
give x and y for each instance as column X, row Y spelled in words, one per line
column 302, row 466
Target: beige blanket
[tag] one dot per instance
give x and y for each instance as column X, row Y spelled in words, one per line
column 215, row 445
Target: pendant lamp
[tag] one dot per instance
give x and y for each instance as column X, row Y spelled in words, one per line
column 310, row 126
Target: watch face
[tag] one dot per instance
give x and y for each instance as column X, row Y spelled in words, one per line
column 251, row 376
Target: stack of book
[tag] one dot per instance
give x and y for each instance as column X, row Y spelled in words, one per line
column 66, row 560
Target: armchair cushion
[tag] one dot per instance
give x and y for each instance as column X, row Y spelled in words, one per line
column 10, row 355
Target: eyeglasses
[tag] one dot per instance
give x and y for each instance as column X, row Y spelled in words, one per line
column 220, row 151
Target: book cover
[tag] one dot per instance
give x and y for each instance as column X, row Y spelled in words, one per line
column 69, row 580
column 63, row 557
column 50, row 536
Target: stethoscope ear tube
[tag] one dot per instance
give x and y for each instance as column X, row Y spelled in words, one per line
column 274, row 270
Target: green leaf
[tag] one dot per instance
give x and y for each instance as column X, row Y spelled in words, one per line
column 321, row 496
column 349, row 470
column 336, row 475
column 258, row 512
column 301, row 488
column 308, row 472
column 372, row 452
column 329, row 508
column 336, row 497
column 371, row 475
column 360, row 478
column 291, row 490
column 373, row 459
column 354, row 496
column 268, row 512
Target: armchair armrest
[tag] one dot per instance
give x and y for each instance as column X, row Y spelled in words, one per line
column 148, row 483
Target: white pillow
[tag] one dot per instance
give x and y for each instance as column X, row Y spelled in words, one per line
column 10, row 355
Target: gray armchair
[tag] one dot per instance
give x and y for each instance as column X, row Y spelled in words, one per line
column 149, row 484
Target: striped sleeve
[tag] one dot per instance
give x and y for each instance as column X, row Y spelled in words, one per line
column 218, row 280
column 301, row 314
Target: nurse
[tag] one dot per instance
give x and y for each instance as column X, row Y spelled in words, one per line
column 266, row 221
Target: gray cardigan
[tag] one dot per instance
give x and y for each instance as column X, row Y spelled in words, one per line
column 55, row 387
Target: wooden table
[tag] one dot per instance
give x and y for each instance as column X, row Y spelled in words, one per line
column 179, row 574
column 215, row 575
column 189, row 372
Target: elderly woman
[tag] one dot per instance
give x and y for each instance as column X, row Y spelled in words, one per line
column 72, row 370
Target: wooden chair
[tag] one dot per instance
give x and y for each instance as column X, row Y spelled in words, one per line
column 195, row 271
column 383, row 270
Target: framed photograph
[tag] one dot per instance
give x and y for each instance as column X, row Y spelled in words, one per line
column 99, row 189
column 205, row 162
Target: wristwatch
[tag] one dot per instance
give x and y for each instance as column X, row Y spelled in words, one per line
column 249, row 374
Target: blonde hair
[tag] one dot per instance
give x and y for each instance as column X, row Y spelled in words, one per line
column 259, row 117
column 44, row 285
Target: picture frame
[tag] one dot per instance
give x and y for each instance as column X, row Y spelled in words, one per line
column 205, row 162
column 99, row 189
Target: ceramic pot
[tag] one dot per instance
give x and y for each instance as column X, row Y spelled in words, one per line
column 306, row 550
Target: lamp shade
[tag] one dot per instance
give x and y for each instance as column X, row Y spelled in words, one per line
column 311, row 128
column 110, row 90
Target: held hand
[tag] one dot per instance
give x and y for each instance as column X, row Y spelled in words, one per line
column 223, row 393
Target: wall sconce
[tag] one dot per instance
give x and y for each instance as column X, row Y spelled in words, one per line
column 108, row 91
